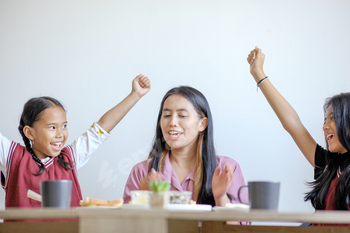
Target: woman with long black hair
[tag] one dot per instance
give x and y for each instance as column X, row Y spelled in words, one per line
column 184, row 154
column 331, row 188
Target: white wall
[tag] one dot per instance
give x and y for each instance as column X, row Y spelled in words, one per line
column 86, row 53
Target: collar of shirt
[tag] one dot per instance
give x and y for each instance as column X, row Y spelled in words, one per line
column 170, row 175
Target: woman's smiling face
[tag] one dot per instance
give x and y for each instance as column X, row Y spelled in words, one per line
column 330, row 132
column 180, row 123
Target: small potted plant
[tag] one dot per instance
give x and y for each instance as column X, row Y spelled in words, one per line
column 159, row 197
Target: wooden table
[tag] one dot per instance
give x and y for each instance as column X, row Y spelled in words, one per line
column 86, row 220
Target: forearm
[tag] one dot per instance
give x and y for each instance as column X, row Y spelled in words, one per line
column 111, row 118
column 284, row 111
column 290, row 120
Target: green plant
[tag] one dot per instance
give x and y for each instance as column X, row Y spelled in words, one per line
column 159, row 186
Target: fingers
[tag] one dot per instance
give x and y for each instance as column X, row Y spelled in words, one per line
column 153, row 175
column 143, row 81
column 229, row 174
column 259, row 54
column 144, row 183
column 256, row 60
column 141, row 85
column 228, row 168
column 253, row 54
column 228, row 171
column 153, row 171
column 217, row 171
column 251, row 57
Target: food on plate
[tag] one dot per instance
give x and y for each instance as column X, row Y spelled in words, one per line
column 192, row 202
column 177, row 197
column 88, row 201
column 140, row 197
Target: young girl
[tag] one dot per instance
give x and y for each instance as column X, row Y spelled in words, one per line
column 43, row 127
column 183, row 153
column 331, row 188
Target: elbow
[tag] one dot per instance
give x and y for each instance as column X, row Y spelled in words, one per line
column 291, row 124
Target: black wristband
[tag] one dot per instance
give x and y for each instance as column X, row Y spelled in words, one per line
column 260, row 82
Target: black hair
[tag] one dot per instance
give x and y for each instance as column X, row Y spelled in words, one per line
column 31, row 114
column 205, row 148
column 334, row 161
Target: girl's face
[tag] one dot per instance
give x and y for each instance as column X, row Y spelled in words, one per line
column 330, row 132
column 180, row 123
column 49, row 133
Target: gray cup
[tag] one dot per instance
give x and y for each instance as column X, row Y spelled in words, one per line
column 56, row 193
column 262, row 195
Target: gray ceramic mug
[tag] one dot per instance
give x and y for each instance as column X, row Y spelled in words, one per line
column 262, row 195
column 56, row 193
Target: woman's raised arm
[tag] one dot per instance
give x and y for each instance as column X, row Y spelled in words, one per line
column 284, row 111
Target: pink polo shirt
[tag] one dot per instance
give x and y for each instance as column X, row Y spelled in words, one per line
column 140, row 170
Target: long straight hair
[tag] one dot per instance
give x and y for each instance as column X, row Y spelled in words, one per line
column 335, row 161
column 32, row 111
column 206, row 158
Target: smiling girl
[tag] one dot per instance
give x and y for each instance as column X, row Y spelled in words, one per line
column 331, row 188
column 43, row 127
column 183, row 153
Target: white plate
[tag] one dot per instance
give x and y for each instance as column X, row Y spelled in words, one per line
column 232, row 207
column 198, row 207
column 134, row 206
column 97, row 207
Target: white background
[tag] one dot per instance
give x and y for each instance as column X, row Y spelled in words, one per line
column 86, row 53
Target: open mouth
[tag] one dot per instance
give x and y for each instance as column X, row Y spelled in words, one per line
column 174, row 134
column 56, row 145
column 329, row 137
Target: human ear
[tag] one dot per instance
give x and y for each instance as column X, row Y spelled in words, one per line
column 28, row 132
column 203, row 124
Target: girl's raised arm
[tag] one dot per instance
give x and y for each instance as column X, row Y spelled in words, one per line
column 284, row 111
column 140, row 86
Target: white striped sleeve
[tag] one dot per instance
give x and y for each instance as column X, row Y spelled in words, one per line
column 87, row 143
column 5, row 145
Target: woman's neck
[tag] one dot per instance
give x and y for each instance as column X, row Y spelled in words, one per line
column 182, row 163
column 183, row 158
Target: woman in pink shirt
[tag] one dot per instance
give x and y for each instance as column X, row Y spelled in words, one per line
column 183, row 153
